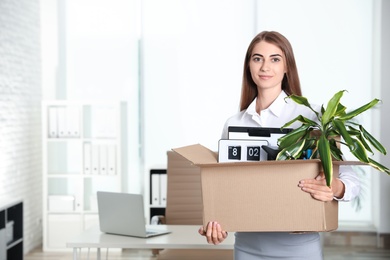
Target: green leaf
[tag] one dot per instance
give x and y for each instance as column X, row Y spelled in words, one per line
column 365, row 144
column 309, row 144
column 302, row 119
column 302, row 101
column 378, row 166
column 343, row 132
column 353, row 131
column 292, row 152
column 332, row 133
column 359, row 110
column 282, row 155
column 335, row 151
column 326, row 159
column 372, row 140
column 358, row 151
column 293, row 137
column 322, row 109
column 331, row 108
column 340, row 110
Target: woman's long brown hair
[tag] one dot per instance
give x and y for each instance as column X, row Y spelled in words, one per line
column 290, row 82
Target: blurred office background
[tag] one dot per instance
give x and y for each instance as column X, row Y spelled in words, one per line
column 178, row 66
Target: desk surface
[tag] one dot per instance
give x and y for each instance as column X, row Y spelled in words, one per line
column 181, row 237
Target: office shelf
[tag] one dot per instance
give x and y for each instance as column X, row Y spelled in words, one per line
column 83, row 151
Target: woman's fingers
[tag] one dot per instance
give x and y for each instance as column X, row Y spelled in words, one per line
column 317, row 188
column 213, row 233
column 201, row 231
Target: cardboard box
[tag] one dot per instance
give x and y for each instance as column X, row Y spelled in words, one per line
column 261, row 196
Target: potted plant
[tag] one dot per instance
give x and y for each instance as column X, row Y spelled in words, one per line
column 322, row 139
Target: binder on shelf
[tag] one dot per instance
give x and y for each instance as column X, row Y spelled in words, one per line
column 103, row 159
column 155, row 198
column 158, row 187
column 87, row 158
column 95, row 159
column 163, row 189
column 72, row 121
column 52, row 122
column 111, row 160
column 61, row 122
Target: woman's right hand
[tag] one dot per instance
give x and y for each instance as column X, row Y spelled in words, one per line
column 213, row 233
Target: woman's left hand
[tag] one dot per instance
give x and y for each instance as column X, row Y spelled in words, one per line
column 317, row 188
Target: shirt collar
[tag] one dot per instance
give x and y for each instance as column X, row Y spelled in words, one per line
column 276, row 107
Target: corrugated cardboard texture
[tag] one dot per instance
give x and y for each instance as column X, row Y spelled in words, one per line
column 262, row 196
column 184, row 198
column 265, row 198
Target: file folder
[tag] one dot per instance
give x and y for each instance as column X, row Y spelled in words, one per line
column 87, row 158
column 95, row 159
column 52, row 122
column 72, row 121
column 155, row 198
column 163, row 189
column 111, row 160
column 103, row 159
column 61, row 119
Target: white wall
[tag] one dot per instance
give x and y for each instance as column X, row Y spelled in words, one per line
column 20, row 111
column 192, row 62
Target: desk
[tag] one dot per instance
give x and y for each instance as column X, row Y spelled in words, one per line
column 181, row 237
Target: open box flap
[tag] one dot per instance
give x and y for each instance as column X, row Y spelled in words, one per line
column 197, row 154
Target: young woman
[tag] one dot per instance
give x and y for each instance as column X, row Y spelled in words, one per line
column 270, row 75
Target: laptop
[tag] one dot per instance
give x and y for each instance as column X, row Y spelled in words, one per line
column 123, row 214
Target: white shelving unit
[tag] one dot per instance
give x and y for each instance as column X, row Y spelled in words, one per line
column 84, row 143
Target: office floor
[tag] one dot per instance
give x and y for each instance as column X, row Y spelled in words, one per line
column 330, row 253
